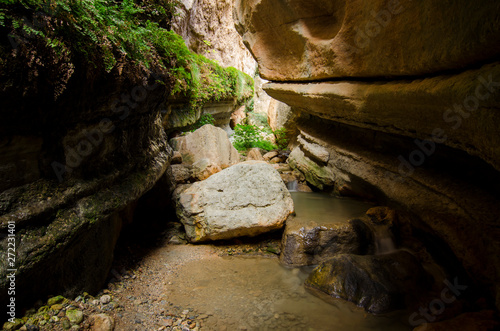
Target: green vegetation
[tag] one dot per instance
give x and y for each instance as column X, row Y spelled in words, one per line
column 250, row 136
column 105, row 33
column 204, row 119
column 281, row 138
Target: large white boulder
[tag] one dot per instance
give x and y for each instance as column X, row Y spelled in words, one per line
column 246, row 199
column 208, row 150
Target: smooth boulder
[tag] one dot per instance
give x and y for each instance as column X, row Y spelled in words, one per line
column 246, row 199
column 208, row 150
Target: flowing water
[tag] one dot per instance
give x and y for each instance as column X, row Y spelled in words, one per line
column 257, row 293
column 292, row 186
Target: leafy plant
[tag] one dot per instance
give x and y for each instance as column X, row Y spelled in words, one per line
column 106, row 32
column 250, row 136
column 281, row 138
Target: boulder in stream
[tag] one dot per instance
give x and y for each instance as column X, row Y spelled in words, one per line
column 377, row 283
column 246, row 199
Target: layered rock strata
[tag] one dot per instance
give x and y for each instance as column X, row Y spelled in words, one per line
column 398, row 102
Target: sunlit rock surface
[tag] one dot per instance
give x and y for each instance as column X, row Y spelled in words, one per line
column 207, row 151
column 246, row 199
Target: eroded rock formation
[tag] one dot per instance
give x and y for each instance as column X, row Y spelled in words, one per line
column 397, row 101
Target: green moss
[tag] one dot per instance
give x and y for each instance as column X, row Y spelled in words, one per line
column 104, row 32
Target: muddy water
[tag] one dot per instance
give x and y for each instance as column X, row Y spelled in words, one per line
column 324, row 209
column 257, row 293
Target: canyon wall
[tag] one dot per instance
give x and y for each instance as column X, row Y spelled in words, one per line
column 207, row 27
column 396, row 101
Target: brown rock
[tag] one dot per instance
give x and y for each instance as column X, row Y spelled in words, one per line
column 176, row 158
column 102, row 322
column 426, row 108
column 311, row 40
column 269, row 155
column 254, row 154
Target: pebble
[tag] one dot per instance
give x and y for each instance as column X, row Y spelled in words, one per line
column 167, row 322
column 102, row 322
column 65, row 323
column 57, row 307
column 185, row 312
column 105, row 299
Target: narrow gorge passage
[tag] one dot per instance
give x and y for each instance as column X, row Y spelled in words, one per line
column 176, row 165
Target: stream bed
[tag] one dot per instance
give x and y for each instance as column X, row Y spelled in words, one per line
column 240, row 291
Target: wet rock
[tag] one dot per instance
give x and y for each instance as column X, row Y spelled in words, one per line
column 254, row 154
column 102, row 322
column 303, row 187
column 377, row 283
column 56, row 307
column 208, row 149
column 483, row 320
column 312, row 243
column 246, row 199
column 75, row 316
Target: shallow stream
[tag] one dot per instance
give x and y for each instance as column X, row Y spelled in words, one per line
column 257, row 293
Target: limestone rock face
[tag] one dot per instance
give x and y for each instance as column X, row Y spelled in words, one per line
column 457, row 111
column 208, row 150
column 316, row 174
column 280, row 115
column 377, row 283
column 208, row 28
column 311, row 40
column 396, row 101
column 246, row 199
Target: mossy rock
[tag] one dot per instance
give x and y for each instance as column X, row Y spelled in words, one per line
column 55, row 300
column 75, row 316
column 377, row 283
column 18, row 323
